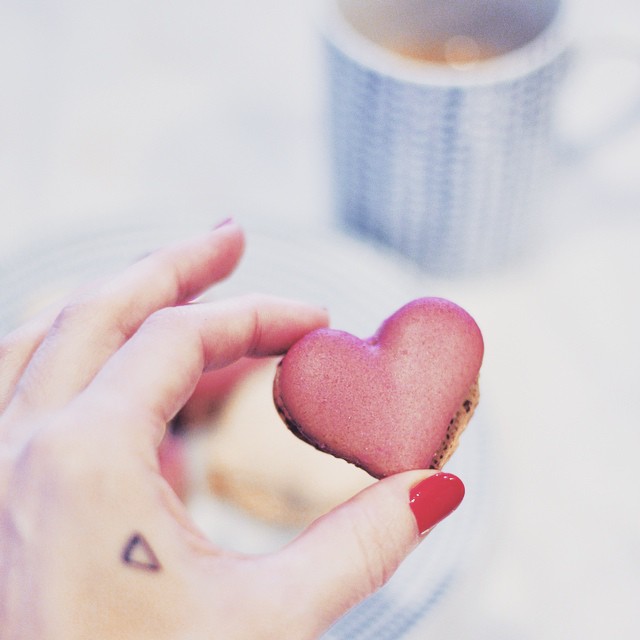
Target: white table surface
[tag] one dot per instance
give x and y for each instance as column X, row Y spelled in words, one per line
column 110, row 110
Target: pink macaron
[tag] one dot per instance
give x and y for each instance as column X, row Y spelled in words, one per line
column 389, row 403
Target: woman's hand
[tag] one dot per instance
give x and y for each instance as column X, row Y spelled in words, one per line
column 93, row 541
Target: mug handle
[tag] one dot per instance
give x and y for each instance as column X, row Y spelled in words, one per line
column 589, row 80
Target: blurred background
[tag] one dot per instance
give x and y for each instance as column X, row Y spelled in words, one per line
column 113, row 112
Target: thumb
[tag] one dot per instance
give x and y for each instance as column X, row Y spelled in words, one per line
column 354, row 549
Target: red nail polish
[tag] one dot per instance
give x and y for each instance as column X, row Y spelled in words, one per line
column 225, row 222
column 434, row 498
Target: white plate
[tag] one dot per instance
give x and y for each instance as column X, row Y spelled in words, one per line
column 360, row 287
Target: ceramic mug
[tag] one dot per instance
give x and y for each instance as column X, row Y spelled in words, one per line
column 442, row 124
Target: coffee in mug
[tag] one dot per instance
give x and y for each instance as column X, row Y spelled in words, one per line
column 455, row 51
column 441, row 117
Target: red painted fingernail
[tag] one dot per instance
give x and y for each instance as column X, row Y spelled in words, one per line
column 434, row 498
column 225, row 222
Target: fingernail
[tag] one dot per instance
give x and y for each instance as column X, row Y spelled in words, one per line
column 434, row 498
column 225, row 222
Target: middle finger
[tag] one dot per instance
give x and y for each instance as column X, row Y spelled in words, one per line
column 91, row 328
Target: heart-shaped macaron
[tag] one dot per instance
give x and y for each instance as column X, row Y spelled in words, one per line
column 389, row 403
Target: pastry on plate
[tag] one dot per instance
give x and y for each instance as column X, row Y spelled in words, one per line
column 256, row 464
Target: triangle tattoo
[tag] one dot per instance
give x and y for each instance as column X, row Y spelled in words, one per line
column 137, row 553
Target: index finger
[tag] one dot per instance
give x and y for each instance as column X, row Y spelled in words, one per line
column 157, row 370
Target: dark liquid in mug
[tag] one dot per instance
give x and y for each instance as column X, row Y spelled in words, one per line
column 456, row 51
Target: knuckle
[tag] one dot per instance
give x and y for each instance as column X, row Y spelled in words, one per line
column 56, row 451
column 83, row 305
column 97, row 309
column 167, row 319
column 164, row 260
column 46, row 448
column 61, row 470
column 167, row 315
column 257, row 331
column 84, row 310
column 174, row 326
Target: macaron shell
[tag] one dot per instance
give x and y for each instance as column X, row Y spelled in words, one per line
column 384, row 403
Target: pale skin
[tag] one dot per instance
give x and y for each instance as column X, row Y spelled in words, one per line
column 94, row 542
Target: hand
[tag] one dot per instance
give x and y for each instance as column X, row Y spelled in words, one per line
column 93, row 541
